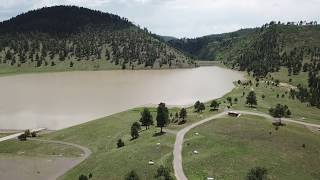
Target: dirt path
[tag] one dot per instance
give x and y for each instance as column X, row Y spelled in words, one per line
column 267, row 116
column 177, row 157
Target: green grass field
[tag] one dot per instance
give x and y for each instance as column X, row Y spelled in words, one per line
column 282, row 75
column 35, row 148
column 109, row 162
column 229, row 147
column 300, row 111
column 60, row 67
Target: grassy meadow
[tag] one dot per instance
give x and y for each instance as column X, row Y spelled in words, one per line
column 109, row 162
column 300, row 111
column 60, row 66
column 35, row 148
column 282, row 75
column 229, row 147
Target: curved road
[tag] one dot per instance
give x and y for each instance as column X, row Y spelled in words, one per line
column 87, row 152
column 177, row 157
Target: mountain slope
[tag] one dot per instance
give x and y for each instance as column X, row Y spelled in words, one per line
column 73, row 38
column 261, row 51
column 209, row 47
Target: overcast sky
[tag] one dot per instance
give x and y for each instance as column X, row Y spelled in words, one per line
column 186, row 18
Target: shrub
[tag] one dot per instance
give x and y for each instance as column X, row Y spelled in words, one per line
column 132, row 175
column 33, row 134
column 83, row 177
column 257, row 173
column 163, row 173
column 90, row 175
column 22, row 137
column 27, row 133
column 120, row 143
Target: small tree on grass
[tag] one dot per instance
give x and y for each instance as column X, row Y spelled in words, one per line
column 229, row 99
column 135, row 130
column 146, row 118
column 214, row 104
column 27, row 133
column 162, row 116
column 280, row 111
column 132, row 175
column 163, row 173
column 33, row 134
column 235, row 100
column 22, row 137
column 183, row 114
column 202, row 107
column 120, row 143
column 251, row 99
column 83, row 177
column 176, row 116
column 257, row 173
column 71, row 64
column 197, row 105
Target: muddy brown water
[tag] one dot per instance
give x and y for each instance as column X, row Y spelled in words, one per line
column 60, row 100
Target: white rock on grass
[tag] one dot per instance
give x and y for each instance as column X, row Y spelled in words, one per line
column 195, row 152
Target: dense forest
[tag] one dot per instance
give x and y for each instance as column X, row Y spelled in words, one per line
column 260, row 51
column 209, row 47
column 69, row 37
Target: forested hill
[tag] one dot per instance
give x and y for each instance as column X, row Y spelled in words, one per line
column 74, row 38
column 209, row 47
column 260, row 51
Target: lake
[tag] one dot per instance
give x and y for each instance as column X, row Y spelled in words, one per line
column 60, row 100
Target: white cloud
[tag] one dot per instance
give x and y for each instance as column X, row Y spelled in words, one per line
column 187, row 17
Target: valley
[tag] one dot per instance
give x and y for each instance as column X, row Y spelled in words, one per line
column 116, row 101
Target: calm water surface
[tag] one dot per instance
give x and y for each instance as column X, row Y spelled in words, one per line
column 59, row 100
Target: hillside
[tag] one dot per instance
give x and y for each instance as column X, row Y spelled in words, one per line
column 265, row 50
column 249, row 49
column 210, row 47
column 62, row 38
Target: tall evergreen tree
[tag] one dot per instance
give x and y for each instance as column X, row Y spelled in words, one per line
column 183, row 113
column 251, row 99
column 162, row 116
column 146, row 118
